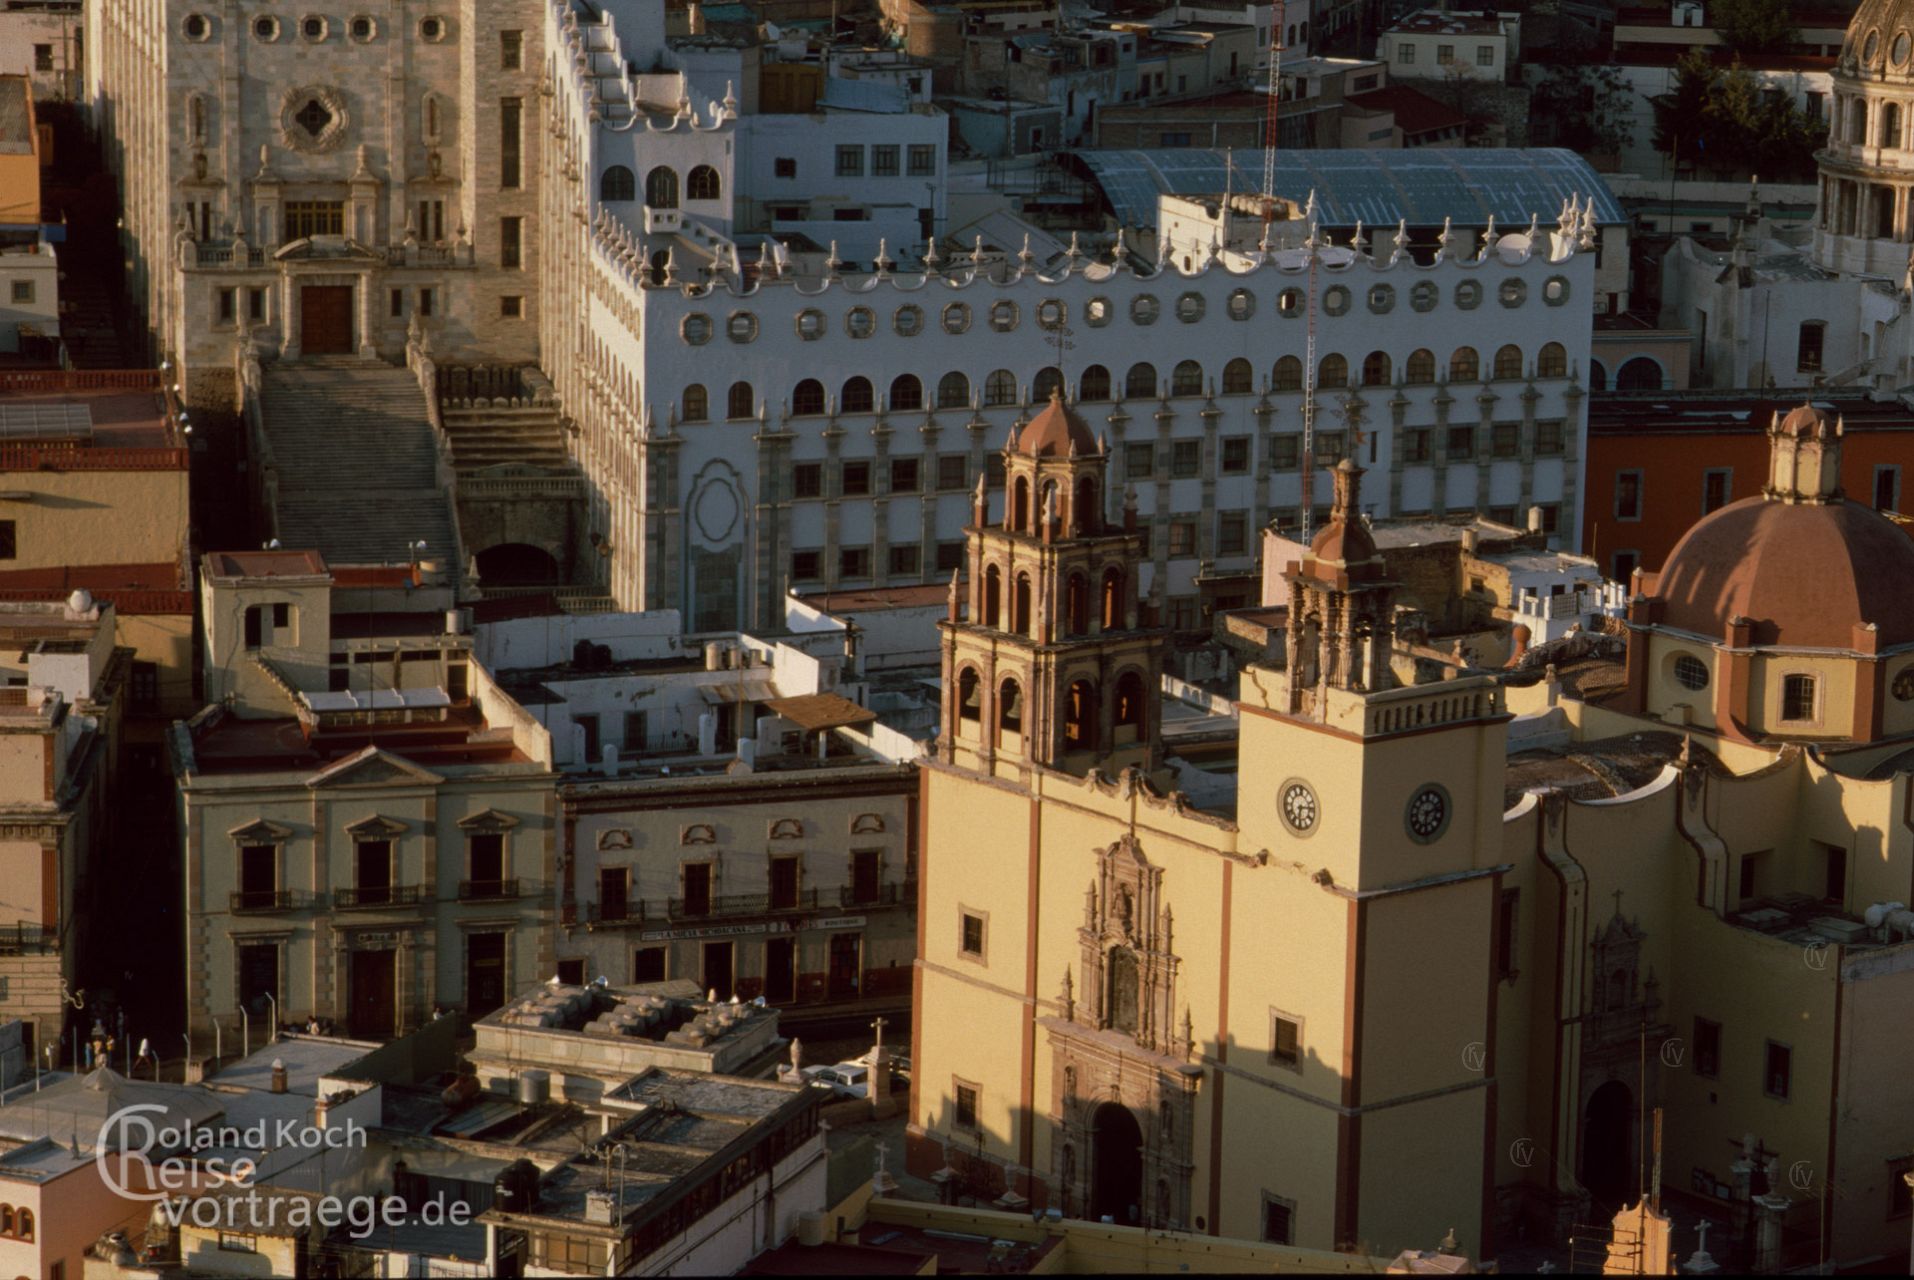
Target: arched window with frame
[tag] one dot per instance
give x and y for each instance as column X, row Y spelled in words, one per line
column 1080, row 716
column 661, row 188
column 1464, row 365
column 807, row 398
column 1022, row 619
column 1186, row 379
column 1112, row 598
column 970, row 701
column 1009, row 709
column 1089, row 519
column 953, row 391
column 1287, row 375
column 696, row 407
column 993, row 596
column 1128, row 717
column 740, row 401
column 1000, row 388
column 1508, row 361
column 1076, row 605
column 702, row 183
column 1375, row 369
column 1048, row 379
column 616, row 184
column 1420, row 369
column 1238, row 378
column 1094, row 384
column 907, row 393
column 1140, row 382
column 1333, row 371
column 857, row 395
column 1551, row 361
column 1020, row 506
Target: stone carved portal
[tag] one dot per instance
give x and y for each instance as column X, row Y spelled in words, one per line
column 1123, row 1090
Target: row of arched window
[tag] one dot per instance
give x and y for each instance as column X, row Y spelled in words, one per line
column 1082, row 710
column 1076, row 603
column 859, row 395
column 16, row 1224
column 618, row 183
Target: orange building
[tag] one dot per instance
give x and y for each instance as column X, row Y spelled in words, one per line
column 1659, row 461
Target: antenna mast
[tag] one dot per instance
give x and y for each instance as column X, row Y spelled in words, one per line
column 1272, row 109
column 1272, row 118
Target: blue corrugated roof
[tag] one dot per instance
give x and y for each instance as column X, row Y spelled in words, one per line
column 1380, row 187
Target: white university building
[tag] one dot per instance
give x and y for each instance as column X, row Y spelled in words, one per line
column 770, row 381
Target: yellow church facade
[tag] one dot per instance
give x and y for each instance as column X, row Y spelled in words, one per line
column 1454, row 942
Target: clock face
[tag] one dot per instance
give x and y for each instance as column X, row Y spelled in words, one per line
column 1428, row 813
column 1298, row 804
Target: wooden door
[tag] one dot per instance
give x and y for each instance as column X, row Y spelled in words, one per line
column 325, row 319
column 717, row 969
column 847, row 956
column 374, row 994
column 780, row 971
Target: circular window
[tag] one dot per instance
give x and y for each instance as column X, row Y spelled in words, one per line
column 810, row 324
column 1427, row 816
column 432, row 29
column 1468, row 295
column 1690, row 672
column 1289, row 303
column 696, row 328
column 1871, row 47
column 860, row 322
column 909, row 321
column 1903, row 685
column 1555, row 291
column 1424, row 295
column 1096, row 312
column 1052, row 314
column 1898, row 53
column 956, row 317
column 1003, row 316
column 198, row 26
column 1189, row 308
column 312, row 27
column 1242, row 305
column 742, row 326
column 1382, row 298
column 362, row 28
column 1513, row 292
column 1297, row 803
column 1336, row 301
column 1144, row 309
column 266, row 28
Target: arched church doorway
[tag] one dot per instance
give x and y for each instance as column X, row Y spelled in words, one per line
column 1116, row 1152
column 1607, row 1168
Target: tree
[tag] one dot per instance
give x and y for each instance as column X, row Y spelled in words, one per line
column 1753, row 26
column 1680, row 121
column 1586, row 107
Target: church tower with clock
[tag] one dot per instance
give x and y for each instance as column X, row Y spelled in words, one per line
column 1243, row 1018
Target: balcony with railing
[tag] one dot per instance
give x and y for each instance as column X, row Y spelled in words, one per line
column 376, row 898
column 23, row 938
column 716, row 906
column 262, row 901
column 891, row 894
column 487, row 890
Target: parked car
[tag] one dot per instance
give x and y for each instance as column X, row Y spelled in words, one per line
column 900, row 1065
column 844, row 1080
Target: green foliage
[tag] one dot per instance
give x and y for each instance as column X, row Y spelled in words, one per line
column 1753, row 26
column 1725, row 124
column 1586, row 105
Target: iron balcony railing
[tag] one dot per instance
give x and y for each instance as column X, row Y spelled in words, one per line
column 262, row 900
column 480, row 890
column 395, row 895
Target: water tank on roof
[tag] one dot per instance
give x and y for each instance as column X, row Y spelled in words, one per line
column 534, row 1086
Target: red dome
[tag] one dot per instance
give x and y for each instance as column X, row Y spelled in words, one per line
column 1804, row 573
column 1053, row 431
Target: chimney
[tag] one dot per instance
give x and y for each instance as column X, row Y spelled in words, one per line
column 278, row 1076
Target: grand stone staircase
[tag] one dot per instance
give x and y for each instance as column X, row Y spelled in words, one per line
column 501, row 417
column 355, row 460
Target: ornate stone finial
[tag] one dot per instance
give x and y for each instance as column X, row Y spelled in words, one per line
column 977, row 253
column 883, row 263
column 1356, row 241
column 832, row 263
column 1024, row 256
column 362, row 159
column 1399, row 243
column 1073, row 252
column 1069, row 1000
column 730, row 101
column 1445, row 248
column 671, row 267
column 955, row 608
column 1120, row 251
column 1535, row 228
column 1489, row 238
column 931, row 256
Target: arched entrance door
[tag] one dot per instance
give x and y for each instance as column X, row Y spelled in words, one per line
column 1607, row 1167
column 1116, row 1152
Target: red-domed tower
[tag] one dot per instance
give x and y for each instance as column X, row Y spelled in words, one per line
column 1047, row 664
column 1340, row 605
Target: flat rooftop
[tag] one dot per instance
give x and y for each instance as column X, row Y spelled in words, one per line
column 1749, row 413
column 306, row 1058
column 872, row 599
column 234, row 745
column 121, row 418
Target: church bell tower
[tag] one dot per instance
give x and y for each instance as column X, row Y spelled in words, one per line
column 1047, row 665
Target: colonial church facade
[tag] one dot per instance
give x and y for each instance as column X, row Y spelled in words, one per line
column 1453, row 940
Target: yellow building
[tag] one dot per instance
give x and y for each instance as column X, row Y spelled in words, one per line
column 1451, row 940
